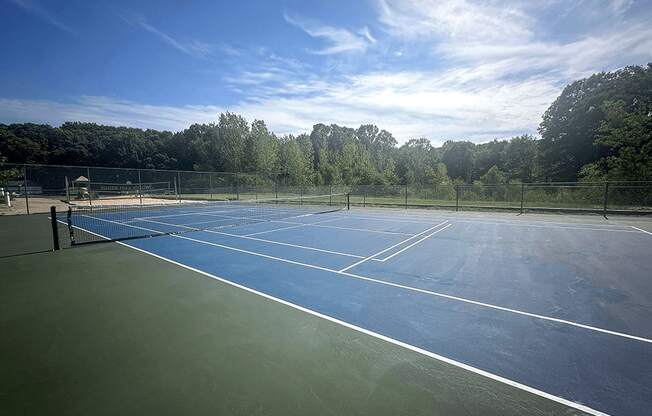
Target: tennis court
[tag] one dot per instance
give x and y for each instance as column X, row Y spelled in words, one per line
column 555, row 307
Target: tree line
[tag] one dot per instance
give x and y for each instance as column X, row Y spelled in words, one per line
column 599, row 128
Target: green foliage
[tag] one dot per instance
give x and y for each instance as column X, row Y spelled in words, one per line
column 598, row 128
column 494, row 176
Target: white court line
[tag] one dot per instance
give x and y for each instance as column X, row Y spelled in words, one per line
column 641, row 230
column 389, row 248
column 376, row 335
column 414, row 289
column 300, row 224
column 415, row 243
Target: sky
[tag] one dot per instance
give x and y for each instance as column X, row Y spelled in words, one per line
column 450, row 69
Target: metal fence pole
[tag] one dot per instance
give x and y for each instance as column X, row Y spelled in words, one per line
column 67, row 190
column 210, row 185
column 276, row 189
column 179, row 186
column 140, row 189
column 457, row 198
column 522, row 196
column 237, row 187
column 90, row 192
column 406, row 191
column 364, row 196
column 25, row 186
column 606, row 199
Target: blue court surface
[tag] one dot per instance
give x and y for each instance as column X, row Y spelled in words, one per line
column 561, row 308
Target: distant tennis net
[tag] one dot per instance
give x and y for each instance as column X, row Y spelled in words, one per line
column 88, row 224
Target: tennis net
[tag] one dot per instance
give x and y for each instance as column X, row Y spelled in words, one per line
column 88, row 224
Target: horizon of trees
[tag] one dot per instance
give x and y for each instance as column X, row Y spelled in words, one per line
column 599, row 128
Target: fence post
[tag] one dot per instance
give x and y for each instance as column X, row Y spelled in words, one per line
column 67, row 190
column 406, row 191
column 457, row 198
column 237, row 188
column 210, row 185
column 522, row 195
column 606, row 198
column 176, row 190
column 276, row 190
column 55, row 228
column 330, row 194
column 140, row 189
column 25, row 186
column 179, row 186
column 90, row 192
column 364, row 196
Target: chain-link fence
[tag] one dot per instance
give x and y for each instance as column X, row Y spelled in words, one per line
column 35, row 188
column 602, row 197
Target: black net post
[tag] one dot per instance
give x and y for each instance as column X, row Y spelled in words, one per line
column 457, row 198
column 25, row 186
column 348, row 201
column 606, row 199
column 55, row 229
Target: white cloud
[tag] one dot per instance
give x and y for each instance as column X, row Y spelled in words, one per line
column 34, row 8
column 341, row 40
column 191, row 47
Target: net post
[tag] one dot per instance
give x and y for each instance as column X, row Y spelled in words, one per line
column 71, row 230
column 348, row 200
column 55, row 229
column 457, row 198
column 606, row 199
column 522, row 196
column 25, row 186
column 140, row 189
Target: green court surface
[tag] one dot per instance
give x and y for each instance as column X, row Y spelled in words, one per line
column 106, row 330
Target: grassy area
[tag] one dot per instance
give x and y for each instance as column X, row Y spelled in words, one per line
column 105, row 330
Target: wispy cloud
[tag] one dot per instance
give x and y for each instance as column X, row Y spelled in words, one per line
column 37, row 10
column 192, row 47
column 341, row 40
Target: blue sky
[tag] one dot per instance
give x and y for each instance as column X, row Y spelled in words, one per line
column 454, row 69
